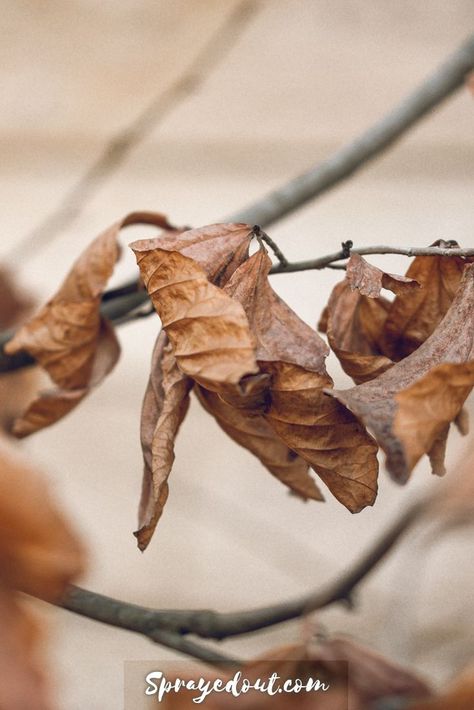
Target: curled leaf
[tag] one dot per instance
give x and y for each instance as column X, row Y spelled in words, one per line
column 370, row 280
column 208, row 330
column 331, row 440
column 354, row 326
column 254, row 433
column 164, row 408
column 411, row 320
column 68, row 337
column 189, row 257
column 409, row 405
column 218, row 248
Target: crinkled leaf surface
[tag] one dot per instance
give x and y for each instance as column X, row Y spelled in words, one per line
column 218, row 248
column 253, row 432
column 335, row 445
column 209, row 253
column 409, row 405
column 208, row 330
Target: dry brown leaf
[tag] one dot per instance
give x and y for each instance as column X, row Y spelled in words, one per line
column 370, row 280
column 214, row 251
column 409, row 406
column 354, row 326
column 335, row 445
column 411, row 320
column 252, row 431
column 208, row 330
column 218, row 248
column 68, row 337
column 164, row 408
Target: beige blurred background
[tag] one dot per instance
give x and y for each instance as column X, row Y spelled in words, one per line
column 302, row 77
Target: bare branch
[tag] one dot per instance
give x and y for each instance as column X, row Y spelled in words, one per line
column 140, row 620
column 437, row 88
column 167, row 626
column 329, row 261
column 123, row 304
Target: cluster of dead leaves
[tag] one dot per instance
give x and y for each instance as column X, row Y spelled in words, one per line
column 253, row 364
column 357, row 678
column 259, row 370
column 39, row 555
column 412, row 359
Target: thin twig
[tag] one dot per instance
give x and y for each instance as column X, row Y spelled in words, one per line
column 292, row 195
column 260, row 234
column 323, row 262
column 125, row 304
column 121, row 145
column 154, row 623
column 289, row 197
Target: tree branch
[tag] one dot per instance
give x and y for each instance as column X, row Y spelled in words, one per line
column 167, row 627
column 345, row 162
column 118, row 303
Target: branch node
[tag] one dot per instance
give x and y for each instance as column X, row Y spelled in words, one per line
column 346, row 248
column 263, row 237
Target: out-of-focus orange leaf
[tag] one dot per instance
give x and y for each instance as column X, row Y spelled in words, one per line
column 409, row 406
column 22, row 680
column 335, row 445
column 458, row 696
column 39, row 555
column 164, row 407
column 68, row 337
column 253, row 432
column 370, row 280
